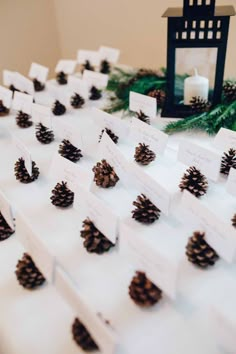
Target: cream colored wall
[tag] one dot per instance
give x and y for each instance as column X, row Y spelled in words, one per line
column 28, row 32
column 134, row 26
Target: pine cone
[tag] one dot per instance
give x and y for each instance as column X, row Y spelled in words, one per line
column 109, row 132
column 234, row 220
column 62, row 196
column 228, row 160
column 13, row 88
column 22, row 174
column 5, row 230
column 38, row 86
column 194, row 181
column 143, row 154
column 23, row 120
column 105, row 67
column 82, row 337
column 77, row 101
column 199, row 252
column 58, row 108
column 229, row 90
column 27, row 274
column 160, row 97
column 61, row 78
column 87, row 66
column 199, row 105
column 69, row 151
column 95, row 94
column 143, row 292
column 104, row 175
column 3, row 110
column 44, row 134
column 94, row 240
column 141, row 116
column 146, row 212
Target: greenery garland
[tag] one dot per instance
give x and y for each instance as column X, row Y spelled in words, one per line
column 143, row 81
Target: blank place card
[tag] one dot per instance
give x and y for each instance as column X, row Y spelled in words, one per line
column 146, row 104
column 5, row 96
column 92, row 56
column 66, row 65
column 95, row 79
column 22, row 102
column 23, row 152
column 110, row 54
column 42, row 114
column 6, row 210
column 38, row 72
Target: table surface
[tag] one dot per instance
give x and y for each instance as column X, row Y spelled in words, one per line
column 39, row 321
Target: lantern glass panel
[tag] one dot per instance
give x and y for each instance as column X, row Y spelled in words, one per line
column 203, row 59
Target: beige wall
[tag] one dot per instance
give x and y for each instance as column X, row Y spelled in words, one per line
column 28, row 32
column 134, row 26
column 47, row 30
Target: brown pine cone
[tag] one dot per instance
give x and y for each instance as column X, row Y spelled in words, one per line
column 143, row 154
column 104, row 175
column 87, row 66
column 95, row 94
column 229, row 91
column 143, row 292
column 22, row 174
column 199, row 105
column 77, row 101
column 5, row 230
column 61, row 78
column 105, row 67
column 38, row 86
column 28, row 275
column 23, row 120
column 69, row 151
column 43, row 134
column 160, row 97
column 4, row 111
column 112, row 135
column 141, row 116
column 228, row 160
column 94, row 240
column 62, row 196
column 82, row 337
column 234, row 220
column 199, row 252
column 58, row 108
column 194, row 181
column 146, row 212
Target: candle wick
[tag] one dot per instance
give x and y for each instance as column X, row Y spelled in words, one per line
column 195, row 72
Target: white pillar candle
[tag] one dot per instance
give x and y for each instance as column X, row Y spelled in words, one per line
column 195, row 86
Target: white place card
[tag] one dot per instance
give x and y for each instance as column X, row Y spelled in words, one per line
column 42, row 114
column 146, row 104
column 38, row 72
column 106, row 120
column 141, row 132
column 64, row 170
column 31, row 241
column 110, row 54
column 103, row 335
column 67, row 66
column 57, row 93
column 22, row 102
column 224, row 328
column 220, row 235
column 161, row 270
column 225, row 139
column 8, row 77
column 93, row 78
column 92, row 56
column 5, row 96
column 202, row 158
column 151, row 188
column 98, row 212
column 231, row 182
column 70, row 132
column 23, row 152
column 77, row 85
column 111, row 153
column 6, row 210
column 23, row 84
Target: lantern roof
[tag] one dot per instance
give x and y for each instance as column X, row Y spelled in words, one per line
column 222, row 11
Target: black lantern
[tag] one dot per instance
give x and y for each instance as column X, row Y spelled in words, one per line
column 200, row 27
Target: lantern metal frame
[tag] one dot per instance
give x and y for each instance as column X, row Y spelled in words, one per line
column 199, row 24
